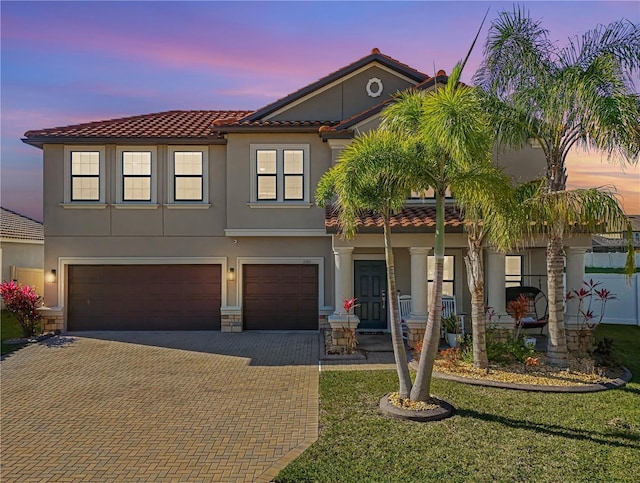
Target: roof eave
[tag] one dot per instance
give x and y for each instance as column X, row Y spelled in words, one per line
column 270, row 129
column 40, row 141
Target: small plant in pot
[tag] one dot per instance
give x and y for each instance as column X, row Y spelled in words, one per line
column 450, row 325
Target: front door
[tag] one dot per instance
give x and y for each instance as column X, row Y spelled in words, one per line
column 371, row 292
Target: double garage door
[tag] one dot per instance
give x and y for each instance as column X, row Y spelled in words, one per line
column 144, row 297
column 188, row 297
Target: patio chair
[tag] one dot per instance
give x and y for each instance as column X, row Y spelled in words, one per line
column 538, row 314
column 449, row 308
column 404, row 302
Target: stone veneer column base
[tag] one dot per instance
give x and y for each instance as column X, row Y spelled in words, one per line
column 231, row 323
column 52, row 318
column 338, row 324
column 580, row 341
column 417, row 326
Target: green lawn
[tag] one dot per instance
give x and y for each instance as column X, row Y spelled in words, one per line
column 500, row 435
column 9, row 328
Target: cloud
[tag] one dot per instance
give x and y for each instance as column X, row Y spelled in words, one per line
column 588, row 169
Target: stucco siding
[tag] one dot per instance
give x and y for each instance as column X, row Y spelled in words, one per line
column 180, row 249
column 347, row 98
column 523, row 165
column 240, row 215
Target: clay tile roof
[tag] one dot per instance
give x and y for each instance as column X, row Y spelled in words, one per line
column 19, row 227
column 411, row 216
column 169, row 124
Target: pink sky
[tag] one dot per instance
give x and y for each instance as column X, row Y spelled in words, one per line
column 71, row 62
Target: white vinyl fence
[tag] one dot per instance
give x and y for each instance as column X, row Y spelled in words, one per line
column 607, row 260
column 625, row 309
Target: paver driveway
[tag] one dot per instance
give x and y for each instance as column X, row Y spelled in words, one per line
column 159, row 406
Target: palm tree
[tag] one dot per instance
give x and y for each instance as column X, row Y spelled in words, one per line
column 374, row 173
column 489, row 205
column 453, row 138
column 579, row 95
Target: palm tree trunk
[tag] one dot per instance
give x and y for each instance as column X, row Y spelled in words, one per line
column 475, row 280
column 399, row 352
column 557, row 345
column 422, row 386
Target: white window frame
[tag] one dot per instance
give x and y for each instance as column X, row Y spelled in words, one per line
column 171, row 195
column 509, row 278
column 279, row 201
column 120, row 202
column 102, row 185
column 431, row 260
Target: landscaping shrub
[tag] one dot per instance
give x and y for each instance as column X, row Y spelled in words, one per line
column 22, row 302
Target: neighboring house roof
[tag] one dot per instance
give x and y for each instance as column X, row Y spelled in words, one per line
column 375, row 56
column 161, row 125
column 618, row 240
column 409, row 217
column 14, row 226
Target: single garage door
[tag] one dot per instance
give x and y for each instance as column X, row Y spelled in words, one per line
column 280, row 297
column 144, row 297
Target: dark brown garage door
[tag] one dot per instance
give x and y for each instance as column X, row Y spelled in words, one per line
column 144, row 297
column 280, row 297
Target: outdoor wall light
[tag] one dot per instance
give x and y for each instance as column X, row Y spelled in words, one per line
column 231, row 275
column 51, row 276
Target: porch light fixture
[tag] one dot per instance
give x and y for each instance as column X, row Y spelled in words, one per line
column 231, row 275
column 51, row 276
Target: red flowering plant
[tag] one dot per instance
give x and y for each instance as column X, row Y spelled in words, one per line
column 587, row 297
column 349, row 332
column 518, row 309
column 22, row 302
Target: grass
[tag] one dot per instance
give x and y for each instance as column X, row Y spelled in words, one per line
column 500, row 435
column 9, row 328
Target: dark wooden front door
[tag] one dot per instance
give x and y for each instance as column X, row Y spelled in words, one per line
column 371, row 291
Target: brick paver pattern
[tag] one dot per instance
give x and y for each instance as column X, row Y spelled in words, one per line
column 167, row 406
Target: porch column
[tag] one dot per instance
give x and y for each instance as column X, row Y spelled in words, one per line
column 343, row 282
column 496, row 298
column 417, row 320
column 574, row 279
column 342, row 328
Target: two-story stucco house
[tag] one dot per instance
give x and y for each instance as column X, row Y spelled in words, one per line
column 206, row 219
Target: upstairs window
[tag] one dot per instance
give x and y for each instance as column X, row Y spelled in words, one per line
column 428, row 194
column 188, row 175
column 85, row 176
column 136, row 176
column 280, row 174
column 136, row 171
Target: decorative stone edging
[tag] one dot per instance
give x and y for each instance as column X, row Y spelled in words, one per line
column 444, row 411
column 584, row 388
column 29, row 340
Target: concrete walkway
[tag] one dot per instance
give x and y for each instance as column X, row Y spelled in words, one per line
column 167, row 406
